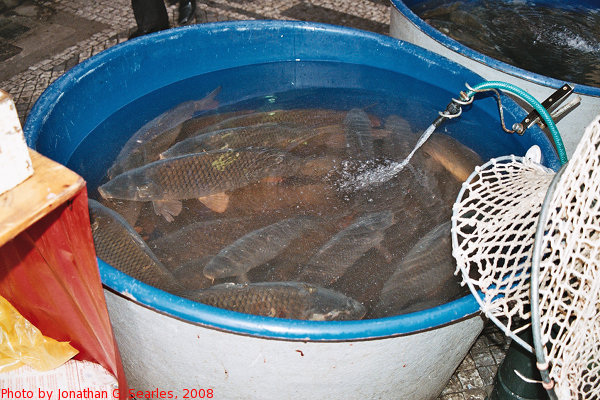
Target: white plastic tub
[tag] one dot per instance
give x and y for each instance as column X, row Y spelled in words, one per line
column 168, row 343
column 407, row 26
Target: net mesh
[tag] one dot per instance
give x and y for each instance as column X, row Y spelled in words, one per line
column 569, row 286
column 494, row 221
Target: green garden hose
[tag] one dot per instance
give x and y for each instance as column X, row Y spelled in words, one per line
column 508, row 87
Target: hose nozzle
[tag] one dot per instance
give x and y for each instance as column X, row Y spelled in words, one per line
column 452, row 110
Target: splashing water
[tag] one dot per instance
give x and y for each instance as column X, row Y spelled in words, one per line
column 368, row 174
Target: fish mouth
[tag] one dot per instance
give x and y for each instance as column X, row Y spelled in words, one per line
column 333, row 315
column 213, row 274
column 350, row 312
column 104, row 193
column 113, row 171
column 209, row 275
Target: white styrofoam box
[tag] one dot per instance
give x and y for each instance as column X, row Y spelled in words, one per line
column 15, row 162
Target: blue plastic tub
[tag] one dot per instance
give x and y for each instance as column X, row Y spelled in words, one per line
column 408, row 26
column 172, row 343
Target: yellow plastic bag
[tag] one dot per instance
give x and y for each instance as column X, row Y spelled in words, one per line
column 21, row 343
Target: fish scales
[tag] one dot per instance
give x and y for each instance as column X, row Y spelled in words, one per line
column 255, row 198
column 303, row 116
column 333, row 259
column 190, row 274
column 198, row 175
column 275, row 135
column 145, row 153
column 192, row 126
column 288, row 264
column 416, row 214
column 346, row 247
column 424, row 277
column 120, row 246
column 181, row 246
column 158, row 134
column 294, row 300
column 256, row 248
column 129, row 210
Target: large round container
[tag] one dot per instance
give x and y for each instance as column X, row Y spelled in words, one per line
column 173, row 344
column 407, row 26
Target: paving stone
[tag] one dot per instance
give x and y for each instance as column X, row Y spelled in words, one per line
column 470, row 379
column 453, row 396
column 482, row 357
column 453, row 386
column 467, row 363
column 476, row 394
column 488, row 374
column 498, row 352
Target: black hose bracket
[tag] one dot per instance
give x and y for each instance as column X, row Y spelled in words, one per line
column 453, row 110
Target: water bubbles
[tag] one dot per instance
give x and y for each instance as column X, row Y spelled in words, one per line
column 358, row 175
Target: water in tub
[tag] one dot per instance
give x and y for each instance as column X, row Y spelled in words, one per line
column 271, row 188
column 561, row 40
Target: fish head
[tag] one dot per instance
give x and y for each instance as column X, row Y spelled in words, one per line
column 280, row 162
column 275, row 158
column 378, row 221
column 131, row 185
column 452, row 155
column 114, row 170
column 218, row 267
column 329, row 305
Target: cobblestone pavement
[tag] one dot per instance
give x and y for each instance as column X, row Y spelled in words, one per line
column 41, row 39
column 114, row 21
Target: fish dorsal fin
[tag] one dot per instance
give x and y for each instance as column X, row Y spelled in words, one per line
column 167, row 208
column 217, row 202
column 208, row 102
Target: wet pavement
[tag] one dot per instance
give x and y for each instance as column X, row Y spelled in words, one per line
column 42, row 39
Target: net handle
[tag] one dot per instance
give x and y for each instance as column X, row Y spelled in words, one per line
column 542, row 363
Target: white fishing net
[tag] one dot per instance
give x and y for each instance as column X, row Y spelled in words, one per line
column 569, row 280
column 493, row 227
column 494, row 222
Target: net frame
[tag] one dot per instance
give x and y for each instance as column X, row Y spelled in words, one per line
column 565, row 276
column 563, row 284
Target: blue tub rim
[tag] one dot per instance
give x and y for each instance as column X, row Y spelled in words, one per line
column 491, row 62
column 52, row 94
column 252, row 325
column 280, row 328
